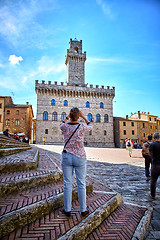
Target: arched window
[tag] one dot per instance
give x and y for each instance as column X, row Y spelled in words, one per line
column 53, row 102
column 65, row 103
column 90, row 118
column 17, row 112
column 98, row 118
column 101, row 105
column 106, row 118
column 45, row 115
column 63, row 116
column 87, row 104
column 54, row 116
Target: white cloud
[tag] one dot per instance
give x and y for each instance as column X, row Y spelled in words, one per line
column 106, row 8
column 18, row 20
column 47, row 68
column 105, row 60
column 15, row 60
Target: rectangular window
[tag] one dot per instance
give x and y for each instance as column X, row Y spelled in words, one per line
column 143, row 125
column 105, row 132
column 124, row 132
column 17, row 112
column 155, row 119
column 7, row 122
column 46, row 131
column 124, row 123
column 150, row 119
column 150, row 127
column 0, row 105
column 155, row 127
column 17, row 122
column 90, row 132
column 144, row 135
column 0, row 118
column 132, row 124
column 132, row 132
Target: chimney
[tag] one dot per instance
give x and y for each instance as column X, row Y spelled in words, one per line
column 27, row 103
column 139, row 115
column 126, row 116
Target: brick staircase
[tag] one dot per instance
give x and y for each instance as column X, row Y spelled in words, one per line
column 10, row 146
column 31, row 203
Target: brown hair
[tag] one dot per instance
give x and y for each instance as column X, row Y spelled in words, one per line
column 74, row 114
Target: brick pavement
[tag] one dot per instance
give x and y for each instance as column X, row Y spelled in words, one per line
column 116, row 170
column 56, row 224
column 120, row 225
column 48, row 228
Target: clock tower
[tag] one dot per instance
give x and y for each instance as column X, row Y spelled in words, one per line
column 75, row 62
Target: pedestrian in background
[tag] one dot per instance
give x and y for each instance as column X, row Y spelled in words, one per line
column 129, row 146
column 74, row 158
column 155, row 166
column 147, row 155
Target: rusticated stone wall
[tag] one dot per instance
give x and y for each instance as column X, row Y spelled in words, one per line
column 76, row 96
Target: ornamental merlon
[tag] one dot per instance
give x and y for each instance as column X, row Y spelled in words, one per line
column 74, row 87
column 73, row 56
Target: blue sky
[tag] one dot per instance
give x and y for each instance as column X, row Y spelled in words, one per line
column 121, row 38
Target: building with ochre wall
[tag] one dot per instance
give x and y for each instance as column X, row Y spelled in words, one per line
column 136, row 127
column 54, row 102
column 18, row 118
column 4, row 101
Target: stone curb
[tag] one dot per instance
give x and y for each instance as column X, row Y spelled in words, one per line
column 11, row 145
column 5, row 140
column 86, row 226
column 143, row 225
column 22, row 165
column 9, row 151
column 27, row 183
column 11, row 221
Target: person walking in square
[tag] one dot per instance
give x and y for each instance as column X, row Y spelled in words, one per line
column 74, row 158
column 129, row 146
column 147, row 155
column 155, row 166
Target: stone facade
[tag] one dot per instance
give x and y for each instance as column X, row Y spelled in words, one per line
column 75, row 62
column 4, row 100
column 136, row 127
column 18, row 118
column 54, row 102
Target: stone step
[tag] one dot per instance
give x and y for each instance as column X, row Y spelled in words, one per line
column 20, row 181
column 57, row 226
column 12, row 145
column 5, row 139
column 103, row 218
column 20, row 161
column 19, row 214
column 10, row 151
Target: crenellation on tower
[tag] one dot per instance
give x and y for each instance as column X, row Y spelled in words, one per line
column 85, row 90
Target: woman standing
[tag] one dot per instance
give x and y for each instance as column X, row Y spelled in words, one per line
column 74, row 158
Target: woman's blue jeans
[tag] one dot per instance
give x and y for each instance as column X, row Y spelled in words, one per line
column 70, row 163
